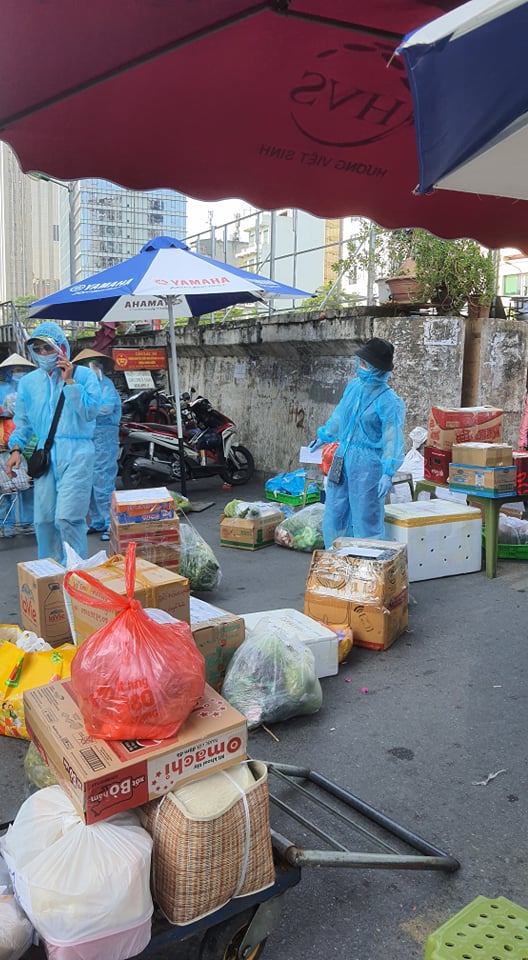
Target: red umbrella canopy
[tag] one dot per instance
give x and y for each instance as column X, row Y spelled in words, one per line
column 297, row 103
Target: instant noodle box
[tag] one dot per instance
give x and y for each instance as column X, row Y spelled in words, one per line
column 217, row 634
column 155, row 587
column 135, row 506
column 360, row 585
column 105, row 777
column 460, row 424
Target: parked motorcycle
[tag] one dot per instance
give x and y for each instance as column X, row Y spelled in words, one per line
column 148, row 406
column 150, row 453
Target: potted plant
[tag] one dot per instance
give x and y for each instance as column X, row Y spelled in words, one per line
column 419, row 267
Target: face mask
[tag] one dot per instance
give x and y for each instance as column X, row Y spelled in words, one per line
column 47, row 361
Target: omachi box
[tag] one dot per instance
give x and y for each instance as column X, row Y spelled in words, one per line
column 155, row 587
column 157, row 541
column 490, row 480
column 135, row 506
column 520, row 459
column 482, row 454
column 460, row 424
column 322, row 641
column 442, row 538
column 366, row 571
column 104, row 777
column 217, row 635
column 249, row 534
column 436, row 464
column 42, row 607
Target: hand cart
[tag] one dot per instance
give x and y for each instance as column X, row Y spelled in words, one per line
column 238, row 931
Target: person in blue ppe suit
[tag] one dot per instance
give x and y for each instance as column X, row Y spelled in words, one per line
column 368, row 425
column 62, row 494
column 106, row 442
column 16, row 509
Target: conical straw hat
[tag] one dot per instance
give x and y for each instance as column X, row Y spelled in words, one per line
column 15, row 360
column 91, row 355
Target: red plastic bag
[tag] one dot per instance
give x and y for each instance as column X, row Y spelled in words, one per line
column 327, row 455
column 134, row 679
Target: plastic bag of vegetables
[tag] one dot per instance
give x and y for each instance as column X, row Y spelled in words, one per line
column 271, row 676
column 197, row 561
column 250, row 510
column 302, row 530
column 38, row 774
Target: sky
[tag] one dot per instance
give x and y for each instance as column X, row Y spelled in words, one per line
column 223, row 212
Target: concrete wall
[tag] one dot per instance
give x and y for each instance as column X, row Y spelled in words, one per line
column 280, row 379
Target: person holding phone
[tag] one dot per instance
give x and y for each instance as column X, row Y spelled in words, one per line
column 62, row 494
column 368, row 426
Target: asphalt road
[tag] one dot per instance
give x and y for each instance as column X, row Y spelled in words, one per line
column 445, row 708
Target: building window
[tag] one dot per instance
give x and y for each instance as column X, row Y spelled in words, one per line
column 55, row 232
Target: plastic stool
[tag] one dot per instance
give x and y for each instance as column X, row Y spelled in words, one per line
column 404, row 478
column 484, row 930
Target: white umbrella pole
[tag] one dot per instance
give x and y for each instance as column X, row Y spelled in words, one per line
column 176, row 389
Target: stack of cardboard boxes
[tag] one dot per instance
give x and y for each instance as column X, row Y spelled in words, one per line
column 486, row 469
column 148, row 518
column 457, row 425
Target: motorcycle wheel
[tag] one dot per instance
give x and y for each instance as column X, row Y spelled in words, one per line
column 239, row 468
column 133, row 479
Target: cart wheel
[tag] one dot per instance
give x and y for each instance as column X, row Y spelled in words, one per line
column 222, row 941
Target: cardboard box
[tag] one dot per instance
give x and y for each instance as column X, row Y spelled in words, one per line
column 42, row 607
column 136, row 506
column 155, row 587
column 363, row 571
column 436, row 464
column 461, row 424
column 217, row 635
column 249, row 534
column 520, row 459
column 373, row 626
column 104, row 777
column 157, row 541
column 491, row 480
column 321, row 640
column 482, row 454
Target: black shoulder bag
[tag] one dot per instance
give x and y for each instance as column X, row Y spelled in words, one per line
column 39, row 461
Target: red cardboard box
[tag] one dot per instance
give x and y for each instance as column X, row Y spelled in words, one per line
column 436, row 464
column 463, row 424
column 104, row 777
column 520, row 459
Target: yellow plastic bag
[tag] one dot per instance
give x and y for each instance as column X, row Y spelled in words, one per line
column 21, row 671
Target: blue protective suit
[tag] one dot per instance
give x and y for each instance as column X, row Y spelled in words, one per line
column 106, row 442
column 17, row 508
column 62, row 495
column 368, row 424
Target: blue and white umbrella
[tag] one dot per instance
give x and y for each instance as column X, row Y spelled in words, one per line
column 165, row 279
column 467, row 71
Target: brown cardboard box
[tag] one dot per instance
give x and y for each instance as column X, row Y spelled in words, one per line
column 157, row 541
column 217, row 635
column 104, row 777
column 475, row 454
column 42, row 607
column 364, row 571
column 249, row 534
column 372, row 625
column 488, row 479
column 461, row 424
column 155, row 587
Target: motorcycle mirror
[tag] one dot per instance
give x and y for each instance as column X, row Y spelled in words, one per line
column 193, row 390
column 185, row 396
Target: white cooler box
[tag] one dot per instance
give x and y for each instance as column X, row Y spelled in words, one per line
column 319, row 639
column 443, row 539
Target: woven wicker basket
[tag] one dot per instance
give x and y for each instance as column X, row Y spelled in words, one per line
column 200, row 861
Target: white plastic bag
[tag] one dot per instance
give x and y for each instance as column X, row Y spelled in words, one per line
column 77, row 883
column 413, row 463
column 16, row 931
column 75, row 562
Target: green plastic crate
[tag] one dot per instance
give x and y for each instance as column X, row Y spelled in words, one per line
column 509, row 551
column 293, row 499
column 484, row 930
